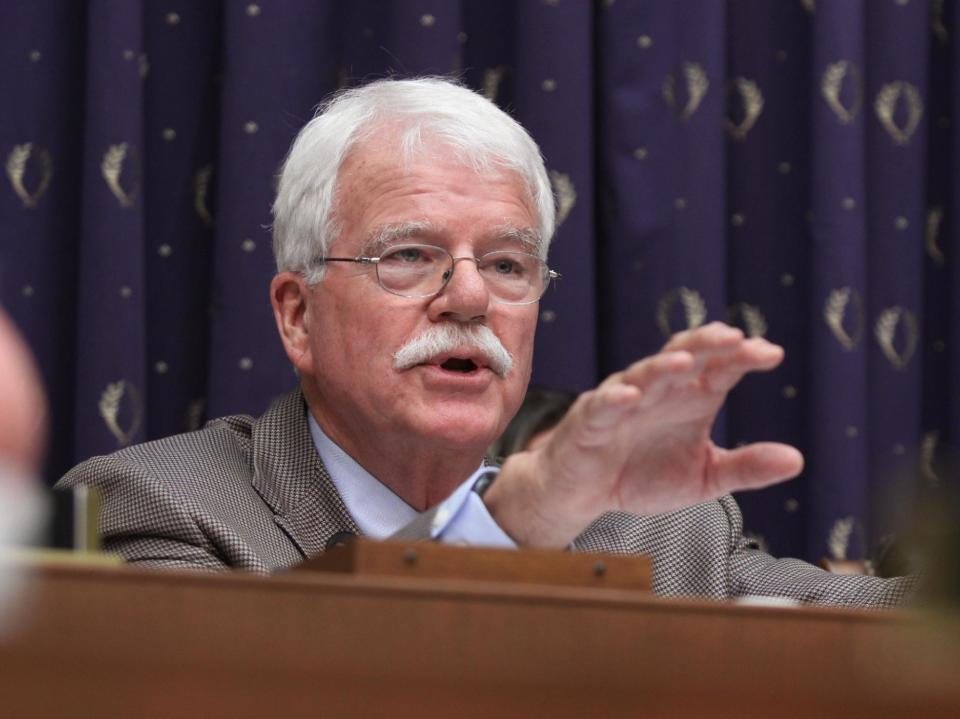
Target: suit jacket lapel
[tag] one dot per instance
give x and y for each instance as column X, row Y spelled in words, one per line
column 290, row 477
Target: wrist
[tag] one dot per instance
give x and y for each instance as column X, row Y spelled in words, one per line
column 523, row 506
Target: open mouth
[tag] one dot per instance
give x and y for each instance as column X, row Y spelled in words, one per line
column 455, row 364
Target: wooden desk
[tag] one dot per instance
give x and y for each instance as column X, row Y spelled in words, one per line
column 115, row 641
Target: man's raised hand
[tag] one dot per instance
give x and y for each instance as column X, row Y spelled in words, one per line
column 640, row 442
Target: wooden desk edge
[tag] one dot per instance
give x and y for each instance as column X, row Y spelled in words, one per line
column 448, row 588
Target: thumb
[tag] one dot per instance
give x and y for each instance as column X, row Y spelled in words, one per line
column 753, row 466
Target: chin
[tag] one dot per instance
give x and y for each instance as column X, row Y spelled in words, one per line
column 463, row 427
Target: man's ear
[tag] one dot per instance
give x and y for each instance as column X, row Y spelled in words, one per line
column 290, row 297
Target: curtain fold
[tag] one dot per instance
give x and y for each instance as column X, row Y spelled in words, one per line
column 111, row 391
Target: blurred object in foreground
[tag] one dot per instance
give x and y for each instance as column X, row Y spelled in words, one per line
column 937, row 539
column 39, row 526
column 23, row 436
column 924, row 497
column 74, row 520
column 23, row 408
column 23, row 508
column 541, row 411
column 895, row 558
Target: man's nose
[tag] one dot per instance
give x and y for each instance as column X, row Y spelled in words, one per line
column 465, row 297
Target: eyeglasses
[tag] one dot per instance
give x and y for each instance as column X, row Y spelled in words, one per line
column 419, row 271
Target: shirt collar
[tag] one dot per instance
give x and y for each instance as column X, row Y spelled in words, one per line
column 377, row 510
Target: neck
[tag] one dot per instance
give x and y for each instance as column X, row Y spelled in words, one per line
column 418, row 471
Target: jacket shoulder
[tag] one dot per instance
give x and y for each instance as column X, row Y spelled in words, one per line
column 185, row 501
column 179, row 461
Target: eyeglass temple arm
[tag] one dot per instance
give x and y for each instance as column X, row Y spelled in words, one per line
column 360, row 260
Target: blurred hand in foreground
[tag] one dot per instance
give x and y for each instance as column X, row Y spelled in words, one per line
column 23, row 414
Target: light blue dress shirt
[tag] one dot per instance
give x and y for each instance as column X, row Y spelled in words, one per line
column 462, row 518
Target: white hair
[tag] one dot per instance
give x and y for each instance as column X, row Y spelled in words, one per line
column 480, row 134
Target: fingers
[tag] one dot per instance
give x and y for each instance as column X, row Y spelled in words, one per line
column 695, row 366
column 717, row 355
column 718, row 341
column 724, row 355
column 752, row 466
column 641, row 385
column 714, row 336
column 656, row 373
column 722, row 373
column 606, row 406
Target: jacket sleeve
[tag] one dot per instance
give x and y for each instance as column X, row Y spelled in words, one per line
column 755, row 573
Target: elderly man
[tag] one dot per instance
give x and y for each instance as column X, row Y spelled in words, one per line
column 411, row 230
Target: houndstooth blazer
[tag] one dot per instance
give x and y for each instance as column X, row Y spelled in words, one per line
column 254, row 495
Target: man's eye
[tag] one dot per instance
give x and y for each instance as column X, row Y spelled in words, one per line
column 506, row 267
column 407, row 255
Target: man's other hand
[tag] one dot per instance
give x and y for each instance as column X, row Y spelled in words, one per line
column 640, row 442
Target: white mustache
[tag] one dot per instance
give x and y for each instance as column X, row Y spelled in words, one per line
column 449, row 336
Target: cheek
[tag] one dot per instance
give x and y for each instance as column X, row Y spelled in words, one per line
column 359, row 339
column 340, row 334
column 519, row 337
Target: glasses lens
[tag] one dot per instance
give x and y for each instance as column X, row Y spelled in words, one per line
column 413, row 270
column 514, row 276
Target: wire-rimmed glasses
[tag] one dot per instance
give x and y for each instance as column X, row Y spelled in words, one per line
column 420, row 271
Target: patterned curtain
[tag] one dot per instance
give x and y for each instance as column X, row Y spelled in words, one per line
column 784, row 166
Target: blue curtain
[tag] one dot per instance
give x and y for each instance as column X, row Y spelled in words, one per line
column 784, row 166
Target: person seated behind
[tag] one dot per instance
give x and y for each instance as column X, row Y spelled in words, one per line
column 411, row 229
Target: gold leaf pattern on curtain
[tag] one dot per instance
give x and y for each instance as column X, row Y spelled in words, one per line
column 693, row 305
column 565, row 193
column 111, row 403
column 16, row 167
column 835, row 311
column 885, row 330
column 838, row 542
column 831, row 86
column 696, row 85
column 928, row 452
column 193, row 417
column 937, row 25
column 749, row 317
column 751, row 101
column 121, row 161
column 932, row 239
column 201, row 187
column 492, row 77
column 885, row 105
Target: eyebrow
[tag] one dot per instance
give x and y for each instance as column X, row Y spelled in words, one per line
column 383, row 237
column 388, row 234
column 526, row 236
